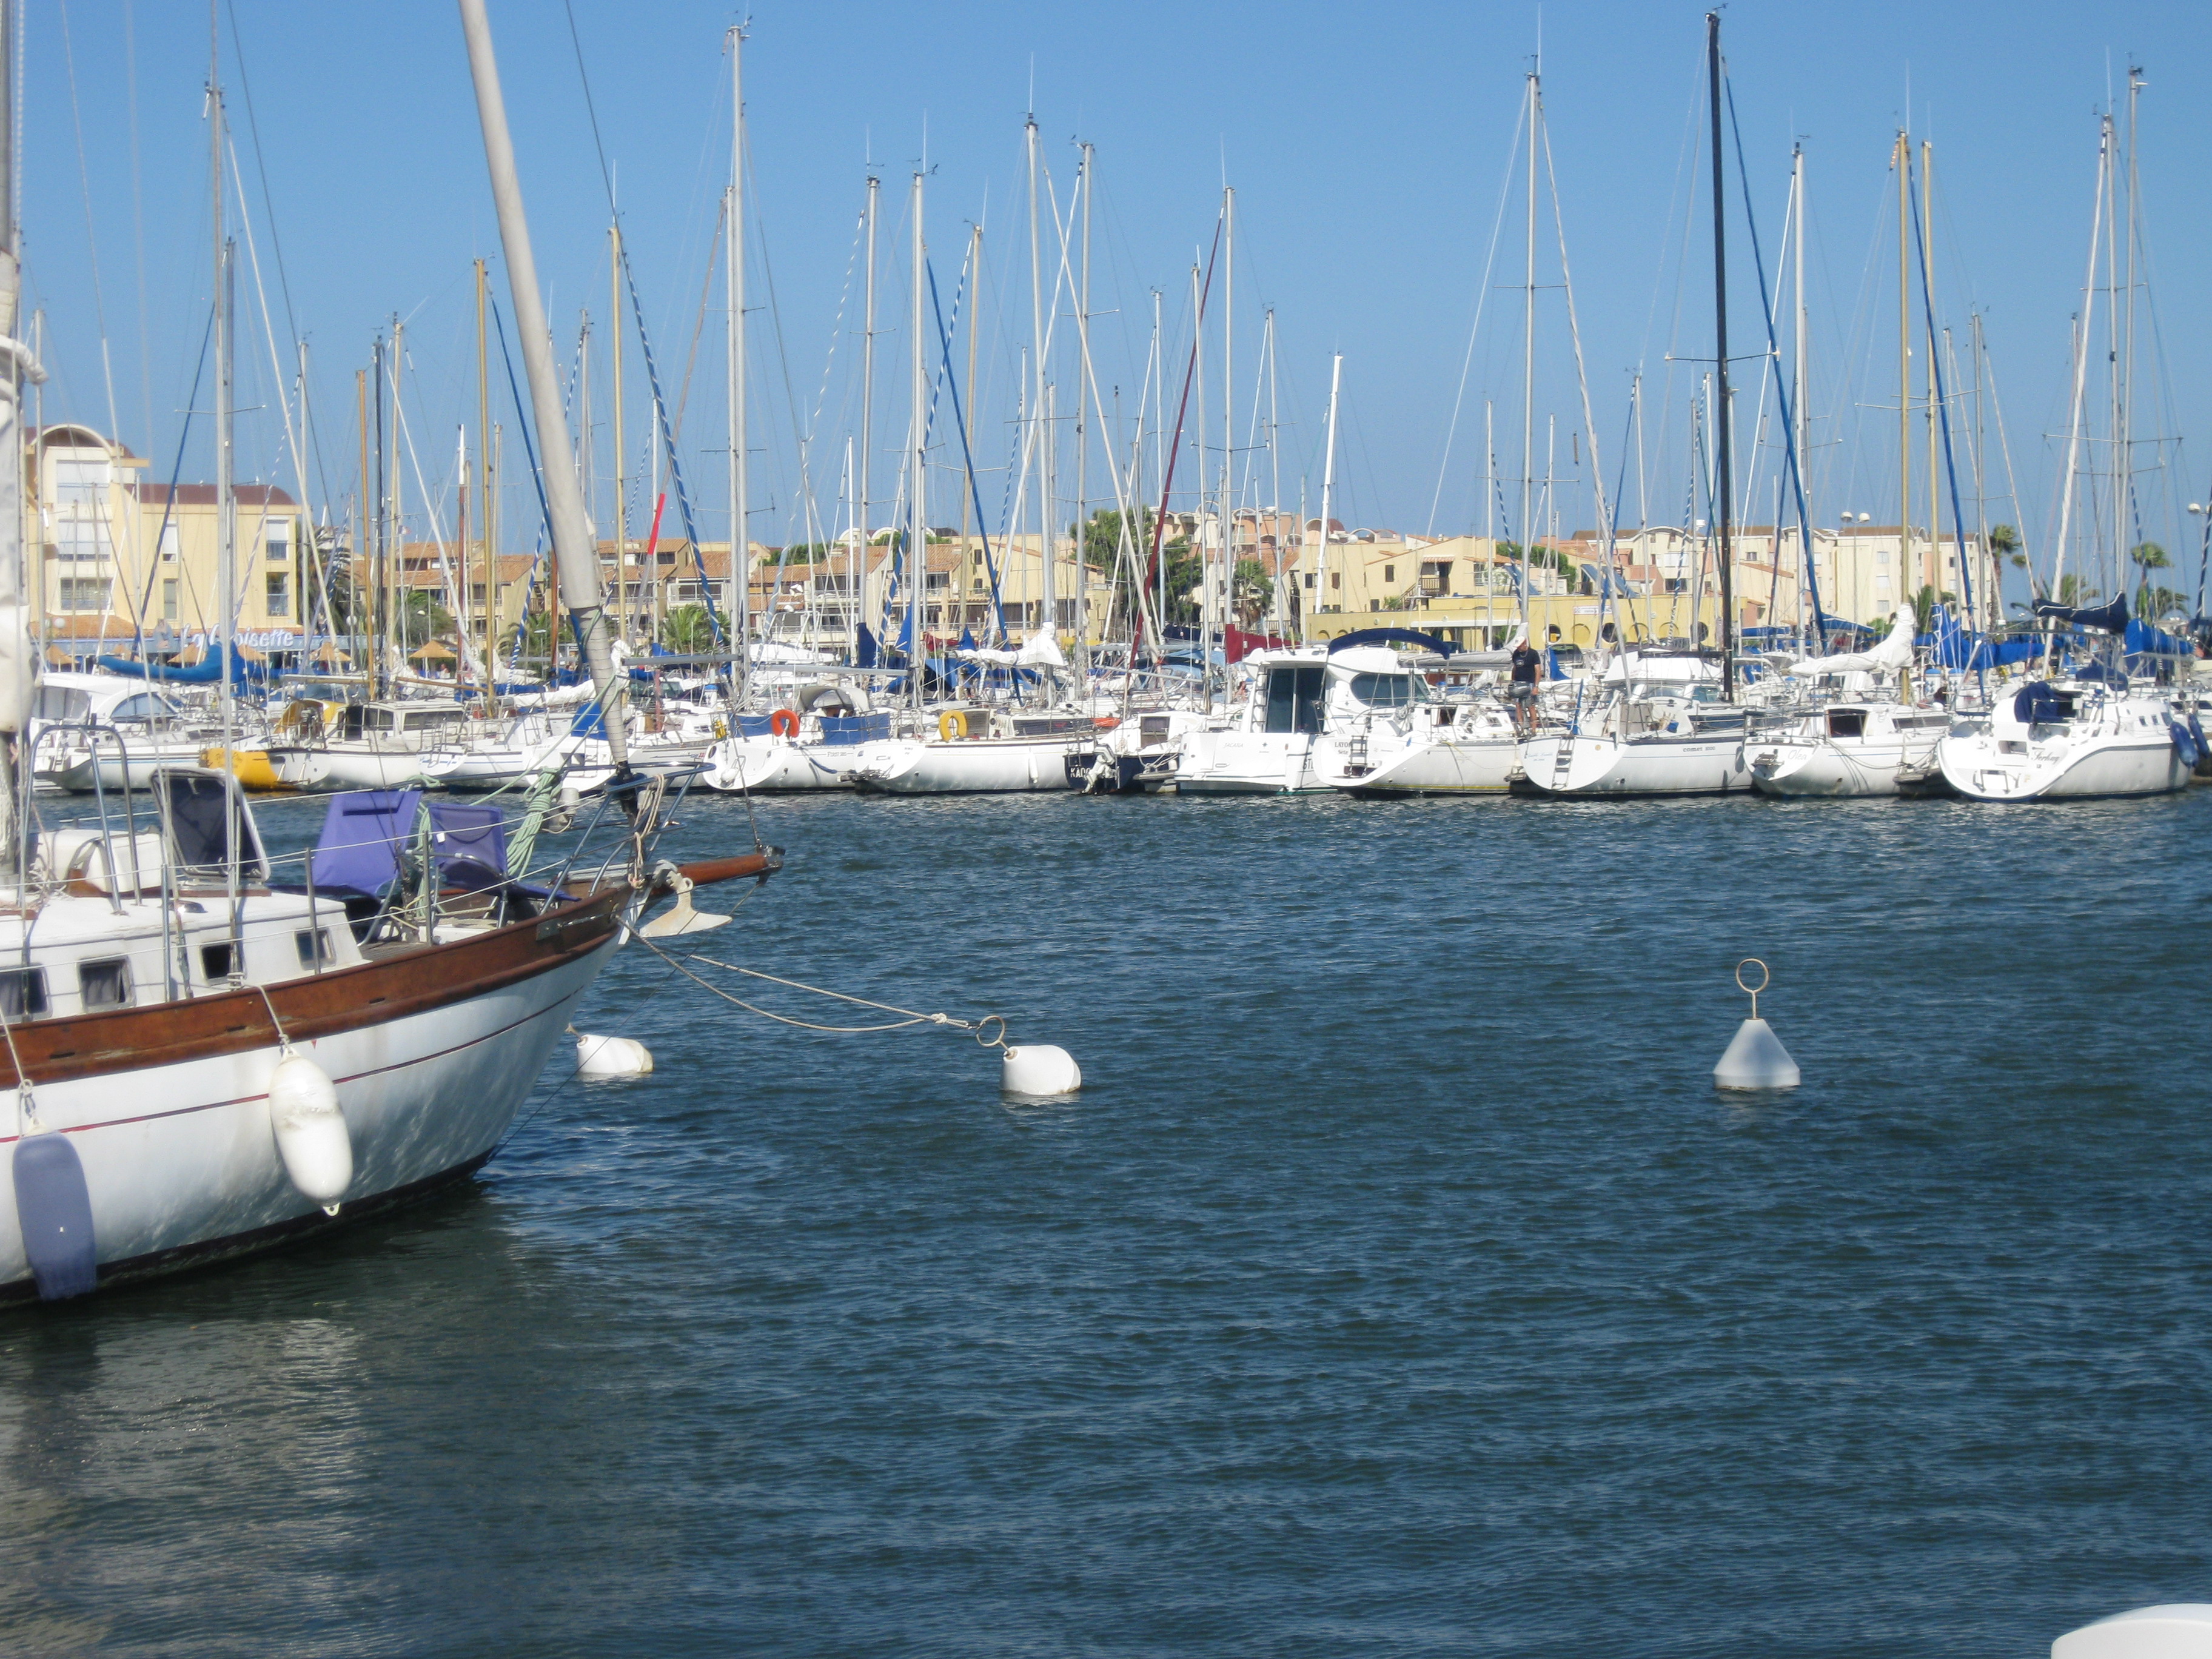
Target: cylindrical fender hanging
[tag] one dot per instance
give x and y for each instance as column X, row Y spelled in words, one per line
column 310, row 1130
column 55, row 1212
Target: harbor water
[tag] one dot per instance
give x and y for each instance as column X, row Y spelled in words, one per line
column 1398, row 1283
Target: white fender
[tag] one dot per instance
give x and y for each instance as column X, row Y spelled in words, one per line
column 310, row 1130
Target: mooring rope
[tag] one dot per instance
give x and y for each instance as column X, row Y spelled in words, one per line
column 909, row 1017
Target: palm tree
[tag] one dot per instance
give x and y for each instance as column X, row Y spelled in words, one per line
column 2146, row 557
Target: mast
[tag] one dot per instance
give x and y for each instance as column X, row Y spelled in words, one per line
column 1040, row 430
column 1723, row 423
column 574, row 556
column 1806, row 581
column 741, row 548
column 1902, row 156
column 379, row 619
column 1082, row 438
column 1228, row 427
column 917, row 559
column 18, row 654
column 1329, row 469
column 1933, row 572
column 1528, row 393
column 487, row 505
column 622, row 479
column 857, row 563
column 2074, row 409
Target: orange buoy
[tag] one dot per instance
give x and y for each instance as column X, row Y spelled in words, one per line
column 783, row 723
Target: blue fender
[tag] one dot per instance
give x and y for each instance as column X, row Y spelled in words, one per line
column 55, row 1212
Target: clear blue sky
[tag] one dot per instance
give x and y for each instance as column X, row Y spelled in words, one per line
column 1366, row 143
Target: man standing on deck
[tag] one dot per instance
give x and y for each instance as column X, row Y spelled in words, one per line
column 1528, row 663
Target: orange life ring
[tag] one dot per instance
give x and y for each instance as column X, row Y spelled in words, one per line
column 783, row 723
column 1106, row 722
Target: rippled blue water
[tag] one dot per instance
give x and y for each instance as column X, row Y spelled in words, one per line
column 1398, row 1285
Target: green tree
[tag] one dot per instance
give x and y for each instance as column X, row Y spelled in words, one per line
column 2072, row 590
column 2145, row 556
column 1924, row 608
column 424, row 618
column 687, row 629
column 1252, row 590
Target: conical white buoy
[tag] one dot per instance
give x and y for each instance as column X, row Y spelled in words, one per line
column 310, row 1130
column 1755, row 1057
column 2162, row 1632
column 612, row 1056
column 1038, row 1069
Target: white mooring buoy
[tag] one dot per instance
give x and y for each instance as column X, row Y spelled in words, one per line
column 2179, row 1630
column 612, row 1056
column 1756, row 1057
column 1039, row 1070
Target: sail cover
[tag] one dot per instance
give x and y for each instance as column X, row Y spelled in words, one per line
column 1891, row 653
column 2106, row 618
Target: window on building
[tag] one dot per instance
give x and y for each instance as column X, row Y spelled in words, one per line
column 280, row 592
column 1882, row 555
column 169, row 543
column 1389, row 573
column 1336, row 579
column 77, row 540
column 169, row 600
column 279, row 540
column 1310, row 576
column 83, row 593
column 80, row 477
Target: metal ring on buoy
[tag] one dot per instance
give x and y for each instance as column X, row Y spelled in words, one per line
column 783, row 723
column 998, row 1042
column 952, row 726
column 1764, row 976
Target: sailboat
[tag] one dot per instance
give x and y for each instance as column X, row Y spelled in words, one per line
column 1859, row 745
column 206, row 1059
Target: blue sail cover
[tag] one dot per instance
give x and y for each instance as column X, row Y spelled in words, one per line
column 2105, row 618
column 1389, row 636
column 2037, row 704
column 2144, row 640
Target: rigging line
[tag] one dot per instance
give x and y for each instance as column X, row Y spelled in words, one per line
column 960, row 421
column 909, row 1017
column 176, row 473
column 644, row 350
column 1475, row 329
column 1782, row 394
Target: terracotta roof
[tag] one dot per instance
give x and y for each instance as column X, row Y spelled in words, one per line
column 203, row 495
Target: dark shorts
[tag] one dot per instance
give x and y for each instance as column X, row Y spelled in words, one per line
column 1524, row 692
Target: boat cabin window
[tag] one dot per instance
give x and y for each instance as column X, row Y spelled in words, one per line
column 198, row 816
column 314, row 947
column 1294, row 694
column 1847, row 722
column 145, row 706
column 372, row 720
column 1386, row 690
column 214, row 962
column 105, row 983
column 63, row 703
column 23, row 993
column 419, row 719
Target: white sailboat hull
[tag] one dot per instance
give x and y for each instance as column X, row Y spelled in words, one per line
column 180, row 1161
column 966, row 766
column 1234, row 762
column 2090, row 768
column 1835, row 768
column 778, row 764
column 1447, row 766
column 1601, row 765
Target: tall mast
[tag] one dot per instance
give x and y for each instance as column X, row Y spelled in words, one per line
column 1805, row 582
column 1528, row 389
column 1328, row 472
column 1040, row 430
column 2074, row 409
column 574, row 556
column 226, row 478
column 1933, row 571
column 741, row 552
column 1082, row 439
column 1227, row 426
column 18, row 655
column 917, row 545
column 857, row 563
column 485, row 510
column 1723, row 423
column 621, row 477
column 380, row 621
column 1902, row 156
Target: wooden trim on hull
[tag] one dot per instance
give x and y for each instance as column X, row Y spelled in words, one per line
column 208, row 1253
